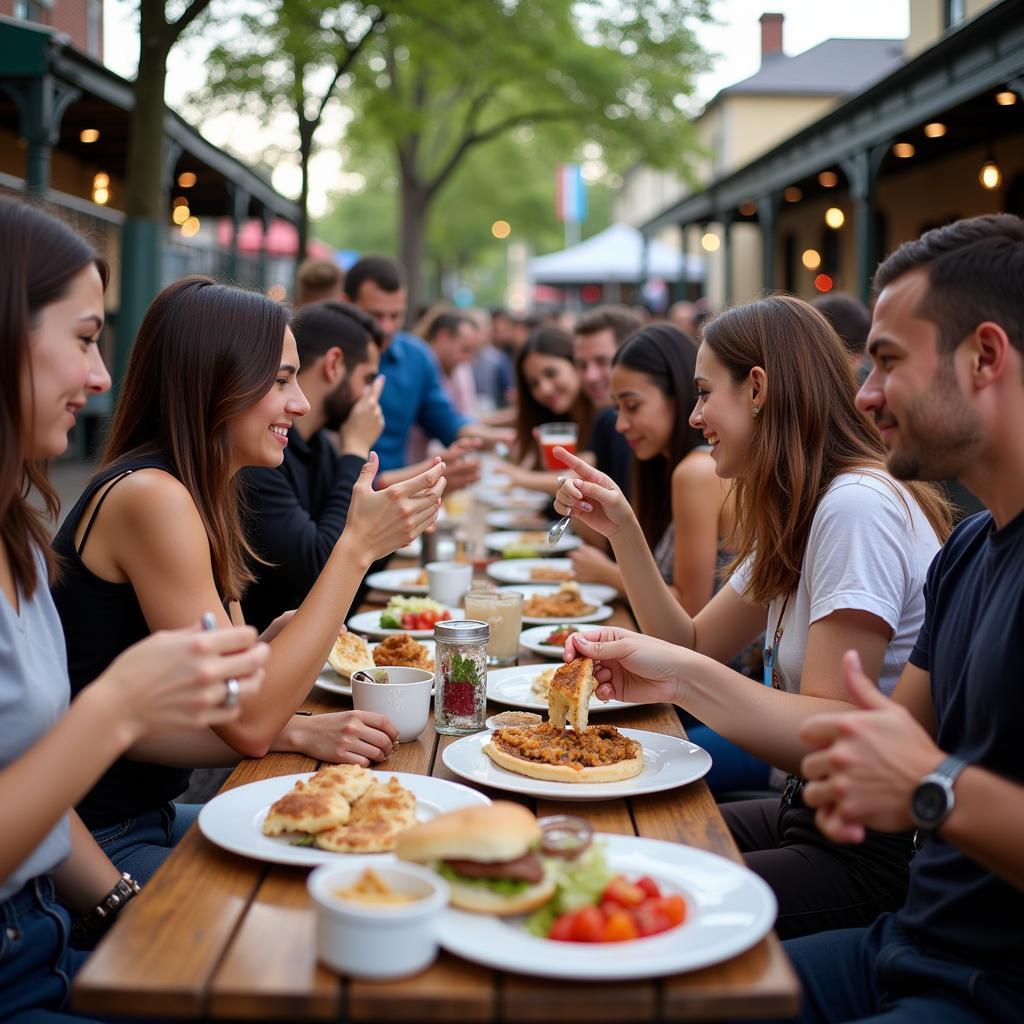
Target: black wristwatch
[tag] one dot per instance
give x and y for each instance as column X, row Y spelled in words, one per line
column 933, row 798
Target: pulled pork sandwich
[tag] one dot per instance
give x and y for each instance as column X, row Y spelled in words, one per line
column 490, row 856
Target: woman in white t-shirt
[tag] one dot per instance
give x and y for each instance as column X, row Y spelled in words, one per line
column 831, row 555
column 51, row 315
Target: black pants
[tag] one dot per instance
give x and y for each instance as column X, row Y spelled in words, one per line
column 820, row 885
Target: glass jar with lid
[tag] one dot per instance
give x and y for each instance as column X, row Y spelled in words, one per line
column 460, row 676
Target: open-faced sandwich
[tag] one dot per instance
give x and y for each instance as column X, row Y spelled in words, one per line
column 552, row 753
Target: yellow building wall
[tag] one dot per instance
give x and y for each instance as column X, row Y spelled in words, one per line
column 926, row 21
column 755, row 124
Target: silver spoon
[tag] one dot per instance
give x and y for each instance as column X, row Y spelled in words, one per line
column 556, row 531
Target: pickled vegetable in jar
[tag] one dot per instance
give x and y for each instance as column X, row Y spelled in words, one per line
column 460, row 676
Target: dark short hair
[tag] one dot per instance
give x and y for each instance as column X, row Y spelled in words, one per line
column 384, row 273
column 317, row 279
column 622, row 322
column 975, row 271
column 325, row 325
column 449, row 322
column 849, row 317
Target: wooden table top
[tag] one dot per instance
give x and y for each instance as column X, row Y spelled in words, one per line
column 215, row 935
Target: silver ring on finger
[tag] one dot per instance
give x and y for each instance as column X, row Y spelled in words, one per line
column 231, row 696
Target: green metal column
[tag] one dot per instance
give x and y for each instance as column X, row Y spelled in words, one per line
column 239, row 199
column 861, row 172
column 726, row 219
column 266, row 219
column 767, row 216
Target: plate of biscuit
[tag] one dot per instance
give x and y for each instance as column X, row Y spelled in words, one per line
column 581, row 762
column 340, row 810
column 352, row 653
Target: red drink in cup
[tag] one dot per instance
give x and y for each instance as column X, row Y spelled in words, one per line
column 552, row 435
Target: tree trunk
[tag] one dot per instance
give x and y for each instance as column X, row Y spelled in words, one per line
column 413, row 238
column 306, row 129
column 145, row 195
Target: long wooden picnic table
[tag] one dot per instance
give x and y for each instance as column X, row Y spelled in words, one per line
column 219, row 936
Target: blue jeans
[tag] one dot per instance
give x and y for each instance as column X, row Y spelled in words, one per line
column 140, row 845
column 36, row 965
column 732, row 767
column 879, row 974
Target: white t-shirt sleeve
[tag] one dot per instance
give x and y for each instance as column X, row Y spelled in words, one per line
column 740, row 579
column 859, row 552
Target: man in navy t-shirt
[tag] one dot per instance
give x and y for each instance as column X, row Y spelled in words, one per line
column 946, row 753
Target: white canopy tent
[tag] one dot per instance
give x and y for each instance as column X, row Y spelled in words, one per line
column 615, row 256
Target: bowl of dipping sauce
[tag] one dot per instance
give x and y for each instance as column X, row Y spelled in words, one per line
column 513, row 719
column 377, row 922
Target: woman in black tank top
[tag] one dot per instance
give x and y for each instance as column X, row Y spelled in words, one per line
column 157, row 540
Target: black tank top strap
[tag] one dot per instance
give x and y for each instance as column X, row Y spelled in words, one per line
column 111, row 484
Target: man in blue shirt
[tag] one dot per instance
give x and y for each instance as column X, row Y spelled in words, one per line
column 944, row 754
column 412, row 386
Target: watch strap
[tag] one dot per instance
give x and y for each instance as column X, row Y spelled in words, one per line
column 949, row 769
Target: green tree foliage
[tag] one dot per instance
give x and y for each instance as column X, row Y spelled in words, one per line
column 288, row 57
column 512, row 179
column 447, row 77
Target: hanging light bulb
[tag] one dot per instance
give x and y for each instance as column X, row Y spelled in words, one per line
column 990, row 175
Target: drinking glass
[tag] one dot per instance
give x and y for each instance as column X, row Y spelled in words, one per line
column 502, row 610
column 550, row 434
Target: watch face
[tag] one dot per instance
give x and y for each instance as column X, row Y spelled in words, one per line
column 930, row 803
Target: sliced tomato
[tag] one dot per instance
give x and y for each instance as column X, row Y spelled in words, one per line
column 408, row 620
column 649, row 886
column 619, row 927
column 561, row 930
column 588, row 925
column 649, row 919
column 673, row 907
column 623, row 892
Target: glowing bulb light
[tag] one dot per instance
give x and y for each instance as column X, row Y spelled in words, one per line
column 935, row 130
column 828, row 179
column 180, row 214
column 89, row 135
column 904, row 150
column 501, row 229
column 1006, row 98
column 990, row 176
column 710, row 242
column 823, row 283
column 793, row 194
column 811, row 259
column 834, row 217
column 186, row 179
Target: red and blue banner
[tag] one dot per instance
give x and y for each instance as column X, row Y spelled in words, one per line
column 570, row 194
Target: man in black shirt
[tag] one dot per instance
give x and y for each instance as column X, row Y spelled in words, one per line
column 298, row 510
column 944, row 755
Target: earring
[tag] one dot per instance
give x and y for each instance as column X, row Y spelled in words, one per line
column 757, row 411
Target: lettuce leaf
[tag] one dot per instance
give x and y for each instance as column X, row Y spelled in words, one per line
column 578, row 883
column 502, row 886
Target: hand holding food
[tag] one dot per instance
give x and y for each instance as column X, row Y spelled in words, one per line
column 630, row 666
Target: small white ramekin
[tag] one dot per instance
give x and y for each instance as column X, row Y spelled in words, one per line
column 368, row 940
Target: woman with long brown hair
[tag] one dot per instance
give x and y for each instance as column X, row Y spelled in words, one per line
column 549, row 391
column 51, row 314
column 157, row 538
column 830, row 555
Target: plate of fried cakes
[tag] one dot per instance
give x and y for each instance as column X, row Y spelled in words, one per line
column 352, row 653
column 340, row 810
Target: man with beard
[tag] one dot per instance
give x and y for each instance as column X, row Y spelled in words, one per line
column 944, row 754
column 298, row 509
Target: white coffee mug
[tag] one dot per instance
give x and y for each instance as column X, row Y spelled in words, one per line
column 447, row 582
column 404, row 698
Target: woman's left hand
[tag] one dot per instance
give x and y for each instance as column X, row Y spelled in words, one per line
column 343, row 737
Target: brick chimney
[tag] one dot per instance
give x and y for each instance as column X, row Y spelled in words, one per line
column 771, row 36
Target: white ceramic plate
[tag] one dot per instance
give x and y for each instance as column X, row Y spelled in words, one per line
column 669, row 762
column 729, row 909
column 593, row 594
column 532, row 638
column 512, row 686
column 505, row 538
column 330, row 680
column 518, row 519
column 234, row 820
column 494, row 493
column 368, row 624
column 397, row 581
column 517, row 570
